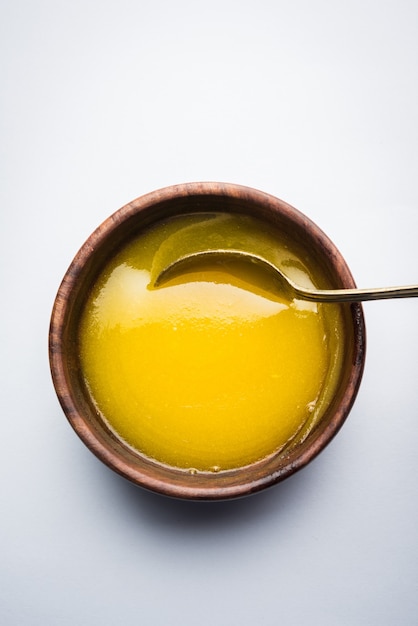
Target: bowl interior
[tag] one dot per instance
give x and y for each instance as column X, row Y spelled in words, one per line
column 116, row 231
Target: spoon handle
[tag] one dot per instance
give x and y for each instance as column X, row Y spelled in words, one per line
column 356, row 295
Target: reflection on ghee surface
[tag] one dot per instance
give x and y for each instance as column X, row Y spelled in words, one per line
column 215, row 369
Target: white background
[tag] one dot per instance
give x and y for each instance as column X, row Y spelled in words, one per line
column 315, row 102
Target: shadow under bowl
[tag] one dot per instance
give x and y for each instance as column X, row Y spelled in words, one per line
column 101, row 246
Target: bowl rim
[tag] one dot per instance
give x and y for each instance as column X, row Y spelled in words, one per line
column 168, row 481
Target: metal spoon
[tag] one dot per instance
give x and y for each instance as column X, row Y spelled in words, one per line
column 284, row 282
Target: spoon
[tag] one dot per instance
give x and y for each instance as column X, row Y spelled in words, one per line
column 284, row 282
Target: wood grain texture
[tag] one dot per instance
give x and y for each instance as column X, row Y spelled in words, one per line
column 113, row 233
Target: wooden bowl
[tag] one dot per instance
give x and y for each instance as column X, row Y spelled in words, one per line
column 63, row 340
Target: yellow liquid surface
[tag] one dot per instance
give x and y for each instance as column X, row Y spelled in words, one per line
column 215, row 369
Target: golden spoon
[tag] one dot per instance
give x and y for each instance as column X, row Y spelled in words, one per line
column 283, row 281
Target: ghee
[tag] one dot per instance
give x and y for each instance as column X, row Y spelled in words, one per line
column 213, row 370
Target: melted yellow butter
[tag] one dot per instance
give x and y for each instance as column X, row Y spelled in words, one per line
column 214, row 370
